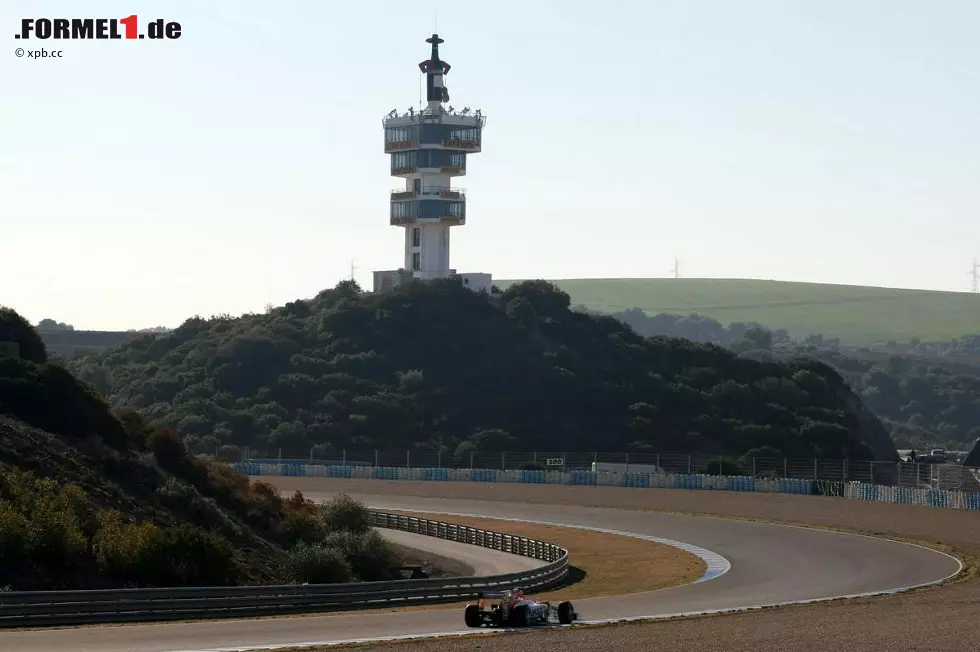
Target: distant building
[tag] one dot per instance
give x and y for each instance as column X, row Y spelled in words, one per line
column 428, row 147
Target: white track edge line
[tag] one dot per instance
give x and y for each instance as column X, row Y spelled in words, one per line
column 630, row 619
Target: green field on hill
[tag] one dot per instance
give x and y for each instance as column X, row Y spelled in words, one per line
column 856, row 314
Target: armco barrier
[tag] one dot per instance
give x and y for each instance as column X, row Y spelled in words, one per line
column 947, row 498
column 51, row 608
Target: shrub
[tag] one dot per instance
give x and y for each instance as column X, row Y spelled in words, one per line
column 187, row 502
column 762, row 452
column 370, row 556
column 723, row 466
column 300, row 526
column 120, row 549
column 220, row 481
column 316, row 564
column 168, row 448
column 55, row 521
column 229, row 453
column 265, row 506
column 532, row 466
column 188, row 556
column 343, row 513
column 136, row 427
column 13, row 532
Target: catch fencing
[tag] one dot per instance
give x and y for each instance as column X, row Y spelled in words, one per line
column 854, row 490
column 54, row 608
column 885, row 473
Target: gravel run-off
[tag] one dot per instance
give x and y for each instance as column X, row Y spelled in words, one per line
column 941, row 619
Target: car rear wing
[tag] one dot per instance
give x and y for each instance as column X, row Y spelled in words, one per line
column 491, row 595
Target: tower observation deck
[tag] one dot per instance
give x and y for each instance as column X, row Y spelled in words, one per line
column 428, row 147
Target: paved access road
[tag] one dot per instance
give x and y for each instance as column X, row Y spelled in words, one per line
column 770, row 563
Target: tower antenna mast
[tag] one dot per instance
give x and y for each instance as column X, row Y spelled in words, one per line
column 975, row 277
column 677, row 268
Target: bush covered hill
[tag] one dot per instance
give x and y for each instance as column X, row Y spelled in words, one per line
column 858, row 315
column 95, row 499
column 435, row 366
column 927, row 393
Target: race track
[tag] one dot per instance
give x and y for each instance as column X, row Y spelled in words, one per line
column 482, row 560
column 769, row 564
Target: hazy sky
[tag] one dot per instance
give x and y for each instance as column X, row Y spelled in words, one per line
column 143, row 182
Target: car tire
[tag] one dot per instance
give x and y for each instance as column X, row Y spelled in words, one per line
column 518, row 616
column 566, row 613
column 472, row 615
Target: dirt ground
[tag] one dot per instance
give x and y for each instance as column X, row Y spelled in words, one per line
column 944, row 619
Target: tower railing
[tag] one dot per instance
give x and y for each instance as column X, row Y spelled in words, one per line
column 440, row 192
column 421, row 115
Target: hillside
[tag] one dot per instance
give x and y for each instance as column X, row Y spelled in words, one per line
column 857, row 315
column 95, row 499
column 435, row 367
column 927, row 394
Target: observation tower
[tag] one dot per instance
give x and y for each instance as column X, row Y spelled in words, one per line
column 428, row 147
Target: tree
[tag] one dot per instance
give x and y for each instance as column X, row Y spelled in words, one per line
column 16, row 329
column 547, row 299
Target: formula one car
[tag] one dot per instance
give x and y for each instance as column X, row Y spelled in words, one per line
column 514, row 609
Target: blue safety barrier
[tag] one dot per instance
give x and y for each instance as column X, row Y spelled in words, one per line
column 636, row 480
column 852, row 490
column 435, row 474
column 530, row 476
column 971, row 500
column 584, row 478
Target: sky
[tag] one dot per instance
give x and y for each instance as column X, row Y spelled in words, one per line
column 144, row 182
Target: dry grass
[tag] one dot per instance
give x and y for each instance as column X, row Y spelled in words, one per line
column 613, row 564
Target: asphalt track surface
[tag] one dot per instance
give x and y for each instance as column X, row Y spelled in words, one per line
column 483, row 561
column 769, row 564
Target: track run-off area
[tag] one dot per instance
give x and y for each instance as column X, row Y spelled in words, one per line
column 754, row 563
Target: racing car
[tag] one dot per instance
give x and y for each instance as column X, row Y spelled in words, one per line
column 514, row 609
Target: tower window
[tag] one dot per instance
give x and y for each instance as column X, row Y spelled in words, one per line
column 416, row 237
column 416, row 261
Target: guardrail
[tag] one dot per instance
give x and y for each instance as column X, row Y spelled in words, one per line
column 52, row 608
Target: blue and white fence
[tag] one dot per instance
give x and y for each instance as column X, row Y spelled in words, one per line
column 851, row 490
